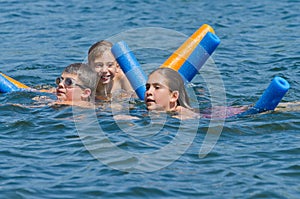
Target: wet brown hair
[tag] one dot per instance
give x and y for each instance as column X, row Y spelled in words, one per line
column 175, row 83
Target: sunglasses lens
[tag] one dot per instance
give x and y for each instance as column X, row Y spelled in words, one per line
column 68, row 82
column 58, row 80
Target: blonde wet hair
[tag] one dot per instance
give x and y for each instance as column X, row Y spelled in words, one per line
column 97, row 50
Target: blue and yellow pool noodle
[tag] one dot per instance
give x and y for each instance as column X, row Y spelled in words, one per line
column 176, row 60
column 271, row 97
column 199, row 56
column 8, row 84
column 130, row 67
column 193, row 53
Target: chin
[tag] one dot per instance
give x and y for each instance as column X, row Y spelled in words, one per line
column 153, row 108
column 61, row 97
column 149, row 108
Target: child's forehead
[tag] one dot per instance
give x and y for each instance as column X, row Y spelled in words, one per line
column 157, row 78
column 69, row 75
column 106, row 56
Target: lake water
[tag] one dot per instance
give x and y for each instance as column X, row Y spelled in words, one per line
column 66, row 152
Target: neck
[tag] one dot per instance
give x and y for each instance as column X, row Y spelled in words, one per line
column 173, row 106
column 104, row 89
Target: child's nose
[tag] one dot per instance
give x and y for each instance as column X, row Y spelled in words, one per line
column 104, row 68
column 61, row 84
column 149, row 92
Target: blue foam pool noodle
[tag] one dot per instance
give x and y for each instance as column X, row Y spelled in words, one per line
column 199, row 56
column 6, row 85
column 271, row 96
column 130, row 67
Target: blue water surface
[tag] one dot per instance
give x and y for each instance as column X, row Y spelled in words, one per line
column 60, row 152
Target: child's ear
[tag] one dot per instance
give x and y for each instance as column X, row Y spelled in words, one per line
column 174, row 96
column 86, row 93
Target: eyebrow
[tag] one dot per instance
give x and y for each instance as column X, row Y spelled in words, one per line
column 156, row 84
column 108, row 62
column 153, row 84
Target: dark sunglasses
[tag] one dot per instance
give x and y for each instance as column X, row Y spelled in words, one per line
column 69, row 82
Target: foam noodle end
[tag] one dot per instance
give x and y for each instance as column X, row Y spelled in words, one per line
column 8, row 84
column 199, row 56
column 177, row 59
column 271, row 97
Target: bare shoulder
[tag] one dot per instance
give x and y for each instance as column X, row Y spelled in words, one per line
column 126, row 84
column 122, row 81
column 185, row 113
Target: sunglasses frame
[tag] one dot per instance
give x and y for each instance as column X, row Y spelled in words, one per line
column 71, row 83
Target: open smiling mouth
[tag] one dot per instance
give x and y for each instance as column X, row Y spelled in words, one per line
column 105, row 77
